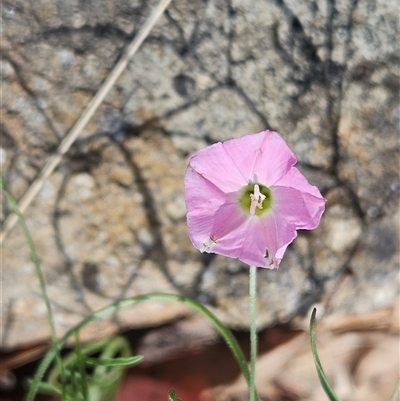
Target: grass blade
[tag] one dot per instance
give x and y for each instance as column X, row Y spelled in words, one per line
column 35, row 259
column 117, row 362
column 321, row 374
column 221, row 328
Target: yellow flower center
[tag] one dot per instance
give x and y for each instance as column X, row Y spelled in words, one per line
column 256, row 199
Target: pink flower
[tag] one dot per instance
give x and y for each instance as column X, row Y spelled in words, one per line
column 245, row 199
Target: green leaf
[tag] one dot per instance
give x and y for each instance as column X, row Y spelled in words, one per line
column 321, row 374
column 80, row 362
column 46, row 388
column 221, row 328
column 119, row 362
column 35, row 259
column 172, row 395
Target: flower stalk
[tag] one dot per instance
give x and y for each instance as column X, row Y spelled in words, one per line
column 253, row 331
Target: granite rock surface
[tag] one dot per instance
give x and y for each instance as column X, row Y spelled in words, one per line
column 110, row 221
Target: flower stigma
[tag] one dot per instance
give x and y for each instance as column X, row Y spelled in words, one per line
column 256, row 199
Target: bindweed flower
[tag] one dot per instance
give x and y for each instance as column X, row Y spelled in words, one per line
column 245, row 199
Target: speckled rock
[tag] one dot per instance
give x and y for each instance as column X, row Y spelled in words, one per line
column 110, row 221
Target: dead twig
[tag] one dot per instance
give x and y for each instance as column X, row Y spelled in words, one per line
column 87, row 114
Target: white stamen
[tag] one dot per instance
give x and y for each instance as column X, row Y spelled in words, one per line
column 207, row 244
column 257, row 199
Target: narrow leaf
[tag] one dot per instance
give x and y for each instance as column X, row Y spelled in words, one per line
column 172, row 395
column 119, row 362
column 80, row 362
column 321, row 374
column 46, row 388
column 221, row 328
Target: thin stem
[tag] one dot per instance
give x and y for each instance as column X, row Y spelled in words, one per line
column 321, row 374
column 81, row 367
column 223, row 331
column 35, row 259
column 253, row 330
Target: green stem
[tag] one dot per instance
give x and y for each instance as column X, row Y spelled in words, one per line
column 35, row 259
column 81, row 366
column 321, row 374
column 253, row 331
column 223, row 331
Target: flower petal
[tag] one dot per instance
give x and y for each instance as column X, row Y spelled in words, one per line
column 295, row 179
column 298, row 202
column 267, row 241
column 263, row 157
column 208, row 231
column 257, row 241
column 200, row 193
column 229, row 239
column 216, row 165
column 300, row 209
column 212, row 213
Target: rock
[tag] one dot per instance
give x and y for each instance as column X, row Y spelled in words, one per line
column 110, row 221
